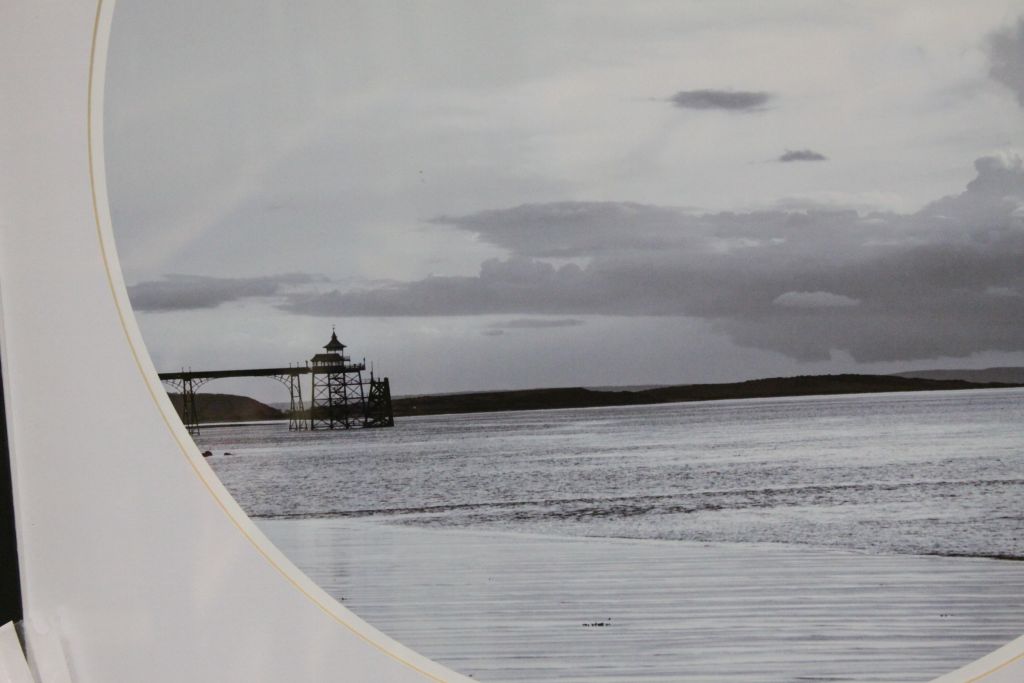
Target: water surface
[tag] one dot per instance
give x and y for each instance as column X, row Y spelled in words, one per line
column 751, row 541
column 936, row 472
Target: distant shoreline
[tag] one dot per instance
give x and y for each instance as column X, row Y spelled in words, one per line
column 224, row 409
column 579, row 397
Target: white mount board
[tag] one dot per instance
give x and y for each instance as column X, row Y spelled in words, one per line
column 136, row 563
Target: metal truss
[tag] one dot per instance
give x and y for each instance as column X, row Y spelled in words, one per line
column 378, row 404
column 186, row 386
column 338, row 400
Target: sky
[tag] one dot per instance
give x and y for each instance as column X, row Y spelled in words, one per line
column 488, row 195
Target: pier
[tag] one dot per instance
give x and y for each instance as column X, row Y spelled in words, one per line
column 340, row 397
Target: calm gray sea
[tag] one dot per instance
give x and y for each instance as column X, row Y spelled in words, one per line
column 755, row 541
column 919, row 473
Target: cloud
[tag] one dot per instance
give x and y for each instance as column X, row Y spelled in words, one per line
column 802, row 155
column 727, row 100
column 536, row 323
column 1006, row 55
column 188, row 292
column 814, row 300
column 864, row 202
column 880, row 286
column 572, row 229
column 515, row 285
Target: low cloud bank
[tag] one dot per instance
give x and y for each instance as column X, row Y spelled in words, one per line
column 536, row 323
column 188, row 292
column 943, row 281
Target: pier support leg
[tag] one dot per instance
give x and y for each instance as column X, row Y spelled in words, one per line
column 295, row 420
column 189, row 409
column 378, row 404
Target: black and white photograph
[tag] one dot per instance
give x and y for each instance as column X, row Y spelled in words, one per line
column 558, row 341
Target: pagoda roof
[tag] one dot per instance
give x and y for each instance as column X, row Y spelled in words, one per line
column 334, row 344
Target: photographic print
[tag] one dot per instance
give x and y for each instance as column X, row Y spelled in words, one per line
column 560, row 229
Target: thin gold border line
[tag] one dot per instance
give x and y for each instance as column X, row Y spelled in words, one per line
column 183, row 447
column 1005, row 664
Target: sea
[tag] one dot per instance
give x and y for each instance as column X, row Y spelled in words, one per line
column 699, row 541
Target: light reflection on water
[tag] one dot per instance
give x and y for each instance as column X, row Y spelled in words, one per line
column 936, row 472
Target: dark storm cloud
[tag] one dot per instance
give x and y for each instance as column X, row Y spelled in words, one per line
column 1006, row 53
column 728, row 100
column 946, row 280
column 186, row 292
column 802, row 155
